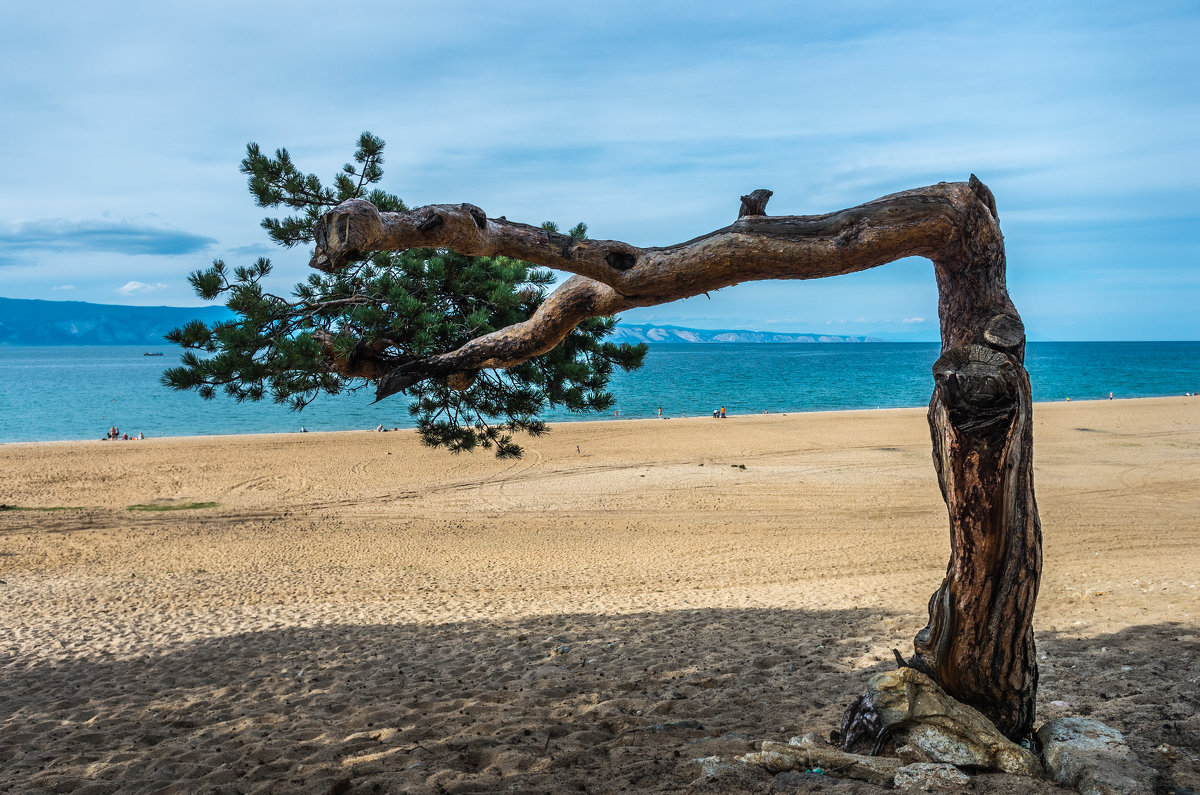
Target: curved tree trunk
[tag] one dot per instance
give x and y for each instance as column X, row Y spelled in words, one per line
column 979, row 644
column 979, row 641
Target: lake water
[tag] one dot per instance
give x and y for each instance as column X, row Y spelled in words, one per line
column 79, row 392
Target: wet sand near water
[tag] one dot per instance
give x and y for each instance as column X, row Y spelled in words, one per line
column 358, row 610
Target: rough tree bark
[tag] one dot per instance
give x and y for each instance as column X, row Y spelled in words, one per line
column 979, row 641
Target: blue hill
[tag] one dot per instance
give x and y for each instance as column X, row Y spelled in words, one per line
column 649, row 333
column 32, row 322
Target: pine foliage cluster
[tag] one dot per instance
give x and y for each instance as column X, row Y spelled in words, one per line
column 391, row 308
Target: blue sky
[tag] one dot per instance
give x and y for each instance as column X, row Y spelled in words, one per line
column 123, row 125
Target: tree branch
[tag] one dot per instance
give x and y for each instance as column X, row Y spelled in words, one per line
column 576, row 300
column 918, row 222
column 612, row 276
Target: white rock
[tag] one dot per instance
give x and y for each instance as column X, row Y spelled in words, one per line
column 1093, row 758
column 931, row 777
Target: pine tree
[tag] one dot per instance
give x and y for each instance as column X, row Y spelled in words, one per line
column 343, row 331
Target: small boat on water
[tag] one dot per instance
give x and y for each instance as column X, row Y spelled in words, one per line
column 151, row 354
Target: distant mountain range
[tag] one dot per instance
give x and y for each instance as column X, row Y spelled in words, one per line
column 646, row 332
column 32, row 322
column 29, row 322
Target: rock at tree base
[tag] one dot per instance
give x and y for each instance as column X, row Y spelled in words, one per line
column 1093, row 758
column 931, row 777
column 781, row 758
column 718, row 775
column 917, row 712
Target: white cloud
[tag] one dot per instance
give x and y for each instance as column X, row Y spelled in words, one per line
column 911, row 320
column 64, row 287
column 139, row 288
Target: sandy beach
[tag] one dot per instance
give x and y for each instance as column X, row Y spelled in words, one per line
column 356, row 611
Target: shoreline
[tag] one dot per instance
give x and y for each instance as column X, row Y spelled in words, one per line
column 569, row 423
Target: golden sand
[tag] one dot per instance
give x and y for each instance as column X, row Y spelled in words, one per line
column 358, row 608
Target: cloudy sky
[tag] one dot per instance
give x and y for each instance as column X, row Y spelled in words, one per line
column 123, row 124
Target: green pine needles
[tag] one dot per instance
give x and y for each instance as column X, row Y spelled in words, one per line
column 343, row 332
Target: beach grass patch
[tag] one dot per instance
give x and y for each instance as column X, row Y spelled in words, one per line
column 187, row 506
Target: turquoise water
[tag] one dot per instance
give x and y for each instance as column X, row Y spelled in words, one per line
column 79, row 392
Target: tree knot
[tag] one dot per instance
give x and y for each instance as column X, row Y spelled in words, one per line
column 431, row 219
column 477, row 215
column 620, row 260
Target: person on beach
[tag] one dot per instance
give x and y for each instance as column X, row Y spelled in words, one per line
column 722, row 412
column 660, row 412
column 141, row 436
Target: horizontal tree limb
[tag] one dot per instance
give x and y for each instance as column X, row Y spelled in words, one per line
column 917, row 222
column 613, row 276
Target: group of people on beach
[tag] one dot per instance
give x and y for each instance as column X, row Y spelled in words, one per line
column 718, row 413
column 115, row 435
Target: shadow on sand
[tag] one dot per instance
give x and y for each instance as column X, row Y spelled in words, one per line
column 562, row 703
